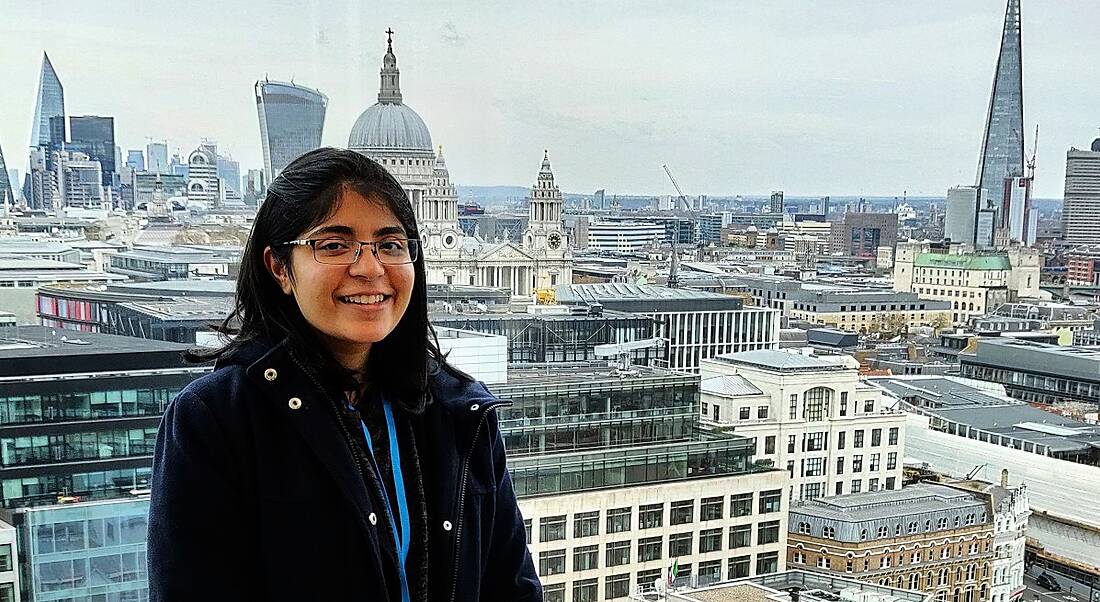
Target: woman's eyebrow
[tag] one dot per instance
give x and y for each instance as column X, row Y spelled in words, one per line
column 388, row 230
column 334, row 229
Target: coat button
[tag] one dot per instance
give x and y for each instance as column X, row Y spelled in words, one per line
column 271, row 374
column 474, row 407
column 294, row 403
column 373, row 518
column 446, row 525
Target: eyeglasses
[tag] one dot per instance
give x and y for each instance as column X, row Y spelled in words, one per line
column 341, row 251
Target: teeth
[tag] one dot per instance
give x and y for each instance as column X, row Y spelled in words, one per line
column 364, row 299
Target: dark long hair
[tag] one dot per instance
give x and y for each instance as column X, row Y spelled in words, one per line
column 305, row 194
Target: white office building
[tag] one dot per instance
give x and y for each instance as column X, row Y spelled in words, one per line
column 624, row 236
column 809, row 414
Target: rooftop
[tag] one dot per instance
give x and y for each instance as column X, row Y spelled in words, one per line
column 788, row 361
column 787, row 586
column 731, row 385
column 614, row 291
column 893, row 506
column 965, row 262
column 593, row 374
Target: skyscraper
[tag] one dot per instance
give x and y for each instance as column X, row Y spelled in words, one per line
column 157, row 155
column 292, row 118
column 94, row 136
column 1081, row 207
column 6, row 194
column 50, row 103
column 1003, row 143
column 135, row 159
column 776, row 204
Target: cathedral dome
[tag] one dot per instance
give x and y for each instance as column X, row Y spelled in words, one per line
column 390, row 126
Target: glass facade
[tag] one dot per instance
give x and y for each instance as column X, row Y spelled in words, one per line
column 85, row 551
column 1003, row 144
column 292, row 118
column 50, row 103
column 6, row 190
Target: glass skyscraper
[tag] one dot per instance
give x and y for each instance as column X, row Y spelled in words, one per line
column 94, row 136
column 50, row 103
column 1003, row 144
column 292, row 118
column 5, row 183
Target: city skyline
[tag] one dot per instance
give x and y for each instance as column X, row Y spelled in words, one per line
column 833, row 99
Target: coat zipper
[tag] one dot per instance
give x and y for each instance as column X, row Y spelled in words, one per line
column 462, row 494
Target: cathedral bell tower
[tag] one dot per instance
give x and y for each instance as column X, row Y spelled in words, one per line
column 545, row 236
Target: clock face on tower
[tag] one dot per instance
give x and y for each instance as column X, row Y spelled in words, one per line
column 553, row 240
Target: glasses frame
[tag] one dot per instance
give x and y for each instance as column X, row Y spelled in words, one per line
column 413, row 245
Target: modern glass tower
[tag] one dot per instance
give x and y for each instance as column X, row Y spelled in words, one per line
column 1003, row 143
column 5, row 183
column 94, row 135
column 292, row 118
column 50, row 103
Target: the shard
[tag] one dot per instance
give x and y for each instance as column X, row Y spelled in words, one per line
column 1003, row 144
column 51, row 103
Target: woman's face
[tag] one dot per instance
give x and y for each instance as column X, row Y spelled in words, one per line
column 341, row 302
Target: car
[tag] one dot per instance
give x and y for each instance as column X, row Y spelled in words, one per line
column 1048, row 581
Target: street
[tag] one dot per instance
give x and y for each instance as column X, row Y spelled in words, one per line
column 1038, row 593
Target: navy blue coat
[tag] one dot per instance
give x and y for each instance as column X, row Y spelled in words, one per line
column 256, row 494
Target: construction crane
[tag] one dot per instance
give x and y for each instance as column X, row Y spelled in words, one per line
column 1034, row 152
column 674, row 267
column 683, row 199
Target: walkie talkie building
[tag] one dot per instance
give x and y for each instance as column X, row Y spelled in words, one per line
column 292, row 118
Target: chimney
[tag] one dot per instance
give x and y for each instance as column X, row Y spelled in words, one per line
column 1004, row 478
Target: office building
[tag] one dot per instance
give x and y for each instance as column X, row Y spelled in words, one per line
column 1081, row 204
column 50, row 104
column 176, row 263
column 862, row 234
column 624, row 236
column 810, row 415
column 1011, row 511
column 229, row 173
column 775, row 205
column 1035, row 372
column 81, row 412
column 961, row 223
column 973, row 282
column 157, row 155
column 135, row 159
column 617, row 483
column 255, row 187
column 292, row 118
column 79, row 180
column 1002, row 154
column 693, row 324
column 94, row 136
column 1019, row 219
column 924, row 537
column 203, row 185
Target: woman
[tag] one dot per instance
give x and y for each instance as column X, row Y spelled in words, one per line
column 333, row 453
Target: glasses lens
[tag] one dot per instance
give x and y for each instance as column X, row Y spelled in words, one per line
column 396, row 251
column 336, row 251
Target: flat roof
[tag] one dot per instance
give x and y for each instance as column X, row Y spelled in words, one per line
column 615, row 291
column 43, row 341
column 788, row 360
column 921, row 498
column 593, row 373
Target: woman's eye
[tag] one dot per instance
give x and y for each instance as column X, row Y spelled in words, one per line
column 391, row 245
column 333, row 245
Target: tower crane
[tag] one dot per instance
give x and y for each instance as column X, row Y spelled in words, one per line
column 1034, row 151
column 683, row 199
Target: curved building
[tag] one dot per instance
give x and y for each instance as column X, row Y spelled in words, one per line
column 394, row 135
column 49, row 104
column 292, row 118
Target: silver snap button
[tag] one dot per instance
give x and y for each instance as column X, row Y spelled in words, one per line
column 474, row 407
column 271, row 374
column 446, row 525
column 294, row 403
column 373, row 518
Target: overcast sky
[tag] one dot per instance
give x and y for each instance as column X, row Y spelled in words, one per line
column 736, row 96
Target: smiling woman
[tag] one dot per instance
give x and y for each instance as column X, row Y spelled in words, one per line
column 332, row 425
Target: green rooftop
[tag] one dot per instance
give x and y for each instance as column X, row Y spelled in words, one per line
column 962, row 262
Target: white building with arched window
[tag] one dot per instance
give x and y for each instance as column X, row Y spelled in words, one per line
column 809, row 414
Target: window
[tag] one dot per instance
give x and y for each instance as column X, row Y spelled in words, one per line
column 868, row 406
column 885, row 560
column 970, row 519
column 840, row 465
column 679, row 544
column 761, row 411
column 913, row 527
column 767, row 562
column 586, row 590
column 738, row 567
column 769, row 445
column 941, row 524
column 874, row 462
column 803, row 528
column 586, row 524
column 649, row 548
column 815, row 441
column 740, row 504
column 682, row 512
column 527, row 527
column 551, row 562
column 857, row 463
column 876, row 437
column 710, row 571
column 794, row 406
column 823, row 562
column 872, row 484
column 839, row 488
column 745, row 413
column 843, row 403
column 617, row 586
column 840, row 440
column 740, row 536
column 790, row 444
column 646, row 579
column 883, row 531
column 618, row 520
column 617, row 553
column 5, row 559
column 771, row 500
column 710, row 540
column 554, row 593
column 798, row 557
column 817, row 403
column 857, row 438
column 892, row 437
column 767, row 532
column 552, row 528
column 849, row 565
column 857, row 486
column 651, row 516
column 586, row 558
column 710, row 508
column 828, row 532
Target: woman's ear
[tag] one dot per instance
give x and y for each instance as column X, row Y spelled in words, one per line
column 279, row 270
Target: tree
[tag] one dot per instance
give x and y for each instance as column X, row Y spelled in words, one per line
column 940, row 321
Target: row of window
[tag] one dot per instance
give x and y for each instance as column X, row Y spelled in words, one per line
column 652, row 516
column 619, row 585
column 84, row 405
column 648, row 549
column 916, row 556
column 810, row 491
column 819, row 441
